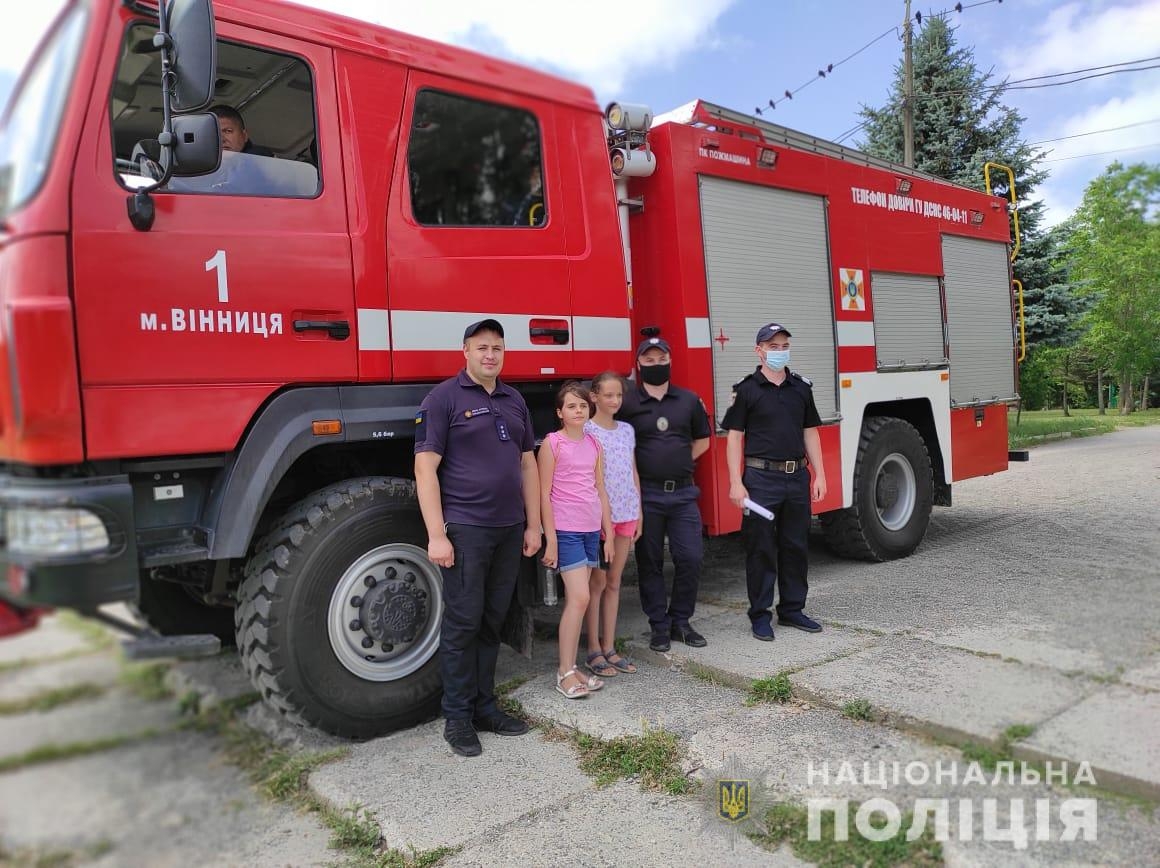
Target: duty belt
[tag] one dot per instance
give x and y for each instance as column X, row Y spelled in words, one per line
column 791, row 466
column 667, row 484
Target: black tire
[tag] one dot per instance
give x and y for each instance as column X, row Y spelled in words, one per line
column 292, row 594
column 172, row 610
column 893, row 494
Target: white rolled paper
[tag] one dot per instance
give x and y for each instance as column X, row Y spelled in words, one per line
column 758, row 509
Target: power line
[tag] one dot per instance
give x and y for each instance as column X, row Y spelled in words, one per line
column 1089, row 69
column 1095, row 132
column 1103, row 153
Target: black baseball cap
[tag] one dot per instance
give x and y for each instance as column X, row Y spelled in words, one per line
column 475, row 328
column 651, row 343
column 768, row 331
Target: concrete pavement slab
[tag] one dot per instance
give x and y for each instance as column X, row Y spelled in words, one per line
column 424, row 796
column 1146, row 675
column 652, row 697
column 170, row 802
column 1117, row 730
column 51, row 638
column 214, row 680
column 1025, row 640
column 111, row 716
column 618, row 825
column 734, row 654
column 101, row 670
column 942, row 691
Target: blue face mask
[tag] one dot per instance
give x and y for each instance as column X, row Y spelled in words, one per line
column 775, row 360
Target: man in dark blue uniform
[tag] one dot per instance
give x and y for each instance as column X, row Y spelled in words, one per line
column 479, row 492
column 773, row 427
column 672, row 432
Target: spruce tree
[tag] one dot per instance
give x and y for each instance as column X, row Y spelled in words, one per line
column 960, row 124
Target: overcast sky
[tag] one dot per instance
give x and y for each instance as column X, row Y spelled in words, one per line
column 741, row 53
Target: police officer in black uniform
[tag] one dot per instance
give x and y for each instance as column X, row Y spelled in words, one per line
column 773, row 430
column 479, row 491
column 672, row 432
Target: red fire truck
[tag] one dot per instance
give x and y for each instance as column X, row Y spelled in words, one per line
column 211, row 360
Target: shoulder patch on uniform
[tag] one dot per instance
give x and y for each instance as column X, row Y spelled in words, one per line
column 805, row 380
column 420, row 425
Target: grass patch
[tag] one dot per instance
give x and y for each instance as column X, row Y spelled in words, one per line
column 653, row 758
column 49, row 699
column 989, row 757
column 511, row 685
column 146, row 680
column 709, row 676
column 96, row 634
column 857, row 709
column 47, row 753
column 1036, row 424
column 788, row 824
column 775, row 689
column 281, row 775
column 1018, row 732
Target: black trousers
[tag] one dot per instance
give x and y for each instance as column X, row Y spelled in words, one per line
column 777, row 552
column 477, row 592
column 675, row 514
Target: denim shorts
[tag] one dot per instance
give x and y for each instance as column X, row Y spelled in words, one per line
column 576, row 548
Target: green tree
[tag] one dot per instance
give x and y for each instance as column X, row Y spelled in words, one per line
column 1116, row 257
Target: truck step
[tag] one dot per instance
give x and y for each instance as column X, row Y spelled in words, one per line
column 154, row 647
column 179, row 553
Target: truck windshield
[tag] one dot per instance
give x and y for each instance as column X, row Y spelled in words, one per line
column 29, row 130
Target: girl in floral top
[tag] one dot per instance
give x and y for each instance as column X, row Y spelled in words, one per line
column 622, row 485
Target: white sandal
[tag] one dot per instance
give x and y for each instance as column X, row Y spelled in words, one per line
column 576, row 691
column 593, row 683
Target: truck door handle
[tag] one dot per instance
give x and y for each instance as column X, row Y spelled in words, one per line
column 339, row 329
column 549, row 331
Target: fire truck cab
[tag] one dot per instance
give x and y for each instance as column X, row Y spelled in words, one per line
column 211, row 359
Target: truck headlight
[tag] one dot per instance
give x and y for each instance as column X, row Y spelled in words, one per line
column 54, row 531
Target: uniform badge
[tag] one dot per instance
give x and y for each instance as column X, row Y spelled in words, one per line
column 420, row 426
column 662, row 424
column 733, row 800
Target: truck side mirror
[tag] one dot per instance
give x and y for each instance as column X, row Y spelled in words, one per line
column 191, row 31
column 197, row 148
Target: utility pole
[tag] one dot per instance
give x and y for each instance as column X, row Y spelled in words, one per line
column 907, row 95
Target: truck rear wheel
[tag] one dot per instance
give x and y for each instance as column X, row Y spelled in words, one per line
column 338, row 616
column 175, row 610
column 893, row 493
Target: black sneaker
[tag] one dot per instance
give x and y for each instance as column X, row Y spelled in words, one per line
column 659, row 642
column 500, row 724
column 460, row 734
column 799, row 621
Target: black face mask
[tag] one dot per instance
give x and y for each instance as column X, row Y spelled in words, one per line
column 655, row 375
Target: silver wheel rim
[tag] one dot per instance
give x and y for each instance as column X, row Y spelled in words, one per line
column 896, row 475
column 375, row 664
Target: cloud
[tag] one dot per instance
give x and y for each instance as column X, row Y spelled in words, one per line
column 599, row 43
column 1084, row 34
column 23, row 26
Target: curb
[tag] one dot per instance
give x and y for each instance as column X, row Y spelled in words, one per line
column 1115, row 782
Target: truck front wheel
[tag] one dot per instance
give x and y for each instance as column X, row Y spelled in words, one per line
column 338, row 616
column 893, row 494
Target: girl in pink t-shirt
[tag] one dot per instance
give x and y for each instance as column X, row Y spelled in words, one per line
column 574, row 510
column 622, row 485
